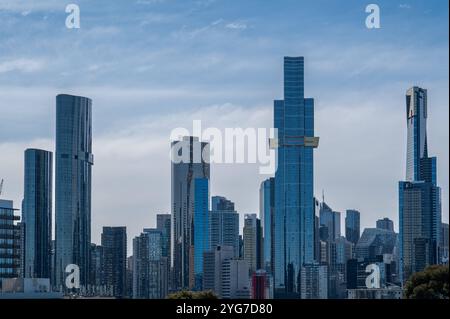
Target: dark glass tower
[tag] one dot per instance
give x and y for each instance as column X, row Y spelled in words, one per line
column 352, row 226
column 266, row 214
column 294, row 201
column 74, row 162
column 37, row 213
column 114, row 243
column 419, row 195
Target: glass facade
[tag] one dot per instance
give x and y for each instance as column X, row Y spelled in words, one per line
column 416, row 114
column 224, row 224
column 201, row 228
column 419, row 195
column 294, row 203
column 37, row 213
column 352, row 226
column 266, row 213
column 114, row 243
column 73, row 181
column 191, row 166
column 9, row 241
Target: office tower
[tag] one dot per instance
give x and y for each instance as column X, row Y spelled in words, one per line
column 220, row 203
column 375, row 242
column 150, row 270
column 444, row 244
column 213, row 261
column 201, row 229
column 253, row 250
column 114, row 243
column 37, row 212
column 331, row 220
column 235, row 279
column 386, row 224
column 130, row 277
column 163, row 225
column 224, row 224
column 419, row 195
column 140, row 266
column 262, row 285
column 317, row 244
column 266, row 214
column 352, row 226
column 339, row 252
column 314, row 281
column 188, row 164
column 294, row 201
column 73, row 181
column 19, row 233
column 97, row 268
column 9, row 241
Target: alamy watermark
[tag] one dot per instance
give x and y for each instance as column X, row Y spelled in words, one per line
column 373, row 19
column 73, row 20
column 227, row 146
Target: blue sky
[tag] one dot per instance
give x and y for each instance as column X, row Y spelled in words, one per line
column 153, row 65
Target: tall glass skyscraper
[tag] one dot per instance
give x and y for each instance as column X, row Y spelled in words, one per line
column 201, row 228
column 188, row 164
column 114, row 243
column 352, row 226
column 37, row 213
column 294, row 201
column 266, row 214
column 419, row 195
column 74, row 162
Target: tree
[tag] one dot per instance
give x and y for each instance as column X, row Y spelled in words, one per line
column 185, row 294
column 432, row 283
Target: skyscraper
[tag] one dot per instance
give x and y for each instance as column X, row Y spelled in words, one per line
column 266, row 214
column 352, row 226
column 37, row 213
column 224, row 224
column 213, row 262
column 294, row 201
column 188, row 164
column 74, row 162
column 419, row 195
column 150, row 276
column 114, row 243
column 163, row 225
column 201, row 229
column 253, row 250
column 331, row 220
column 9, row 241
column 385, row 223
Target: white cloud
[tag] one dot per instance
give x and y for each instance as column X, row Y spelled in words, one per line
column 21, row 65
column 236, row 25
column 404, row 6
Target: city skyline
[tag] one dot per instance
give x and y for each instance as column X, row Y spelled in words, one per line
column 310, row 257
column 382, row 141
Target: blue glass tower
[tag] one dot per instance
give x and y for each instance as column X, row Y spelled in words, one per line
column 37, row 212
column 73, row 180
column 419, row 195
column 201, row 228
column 267, row 208
column 294, row 201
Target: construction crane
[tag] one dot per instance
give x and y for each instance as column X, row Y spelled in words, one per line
column 1, row 187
